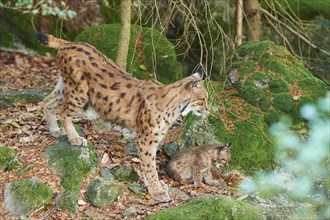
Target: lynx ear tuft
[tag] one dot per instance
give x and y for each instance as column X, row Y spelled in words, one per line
column 199, row 74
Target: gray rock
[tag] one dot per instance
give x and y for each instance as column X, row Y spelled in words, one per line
column 137, row 189
column 177, row 194
column 8, row 99
column 125, row 173
column 131, row 149
column 130, row 213
column 103, row 192
column 170, row 150
column 106, row 174
column 23, row 196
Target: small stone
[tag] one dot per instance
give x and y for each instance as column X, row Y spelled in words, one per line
column 130, row 212
column 170, row 150
column 102, row 192
column 131, row 149
column 177, row 194
column 81, row 202
column 105, row 159
column 137, row 189
column 106, row 174
column 125, row 173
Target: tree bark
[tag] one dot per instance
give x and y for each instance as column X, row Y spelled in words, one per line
column 252, row 11
column 125, row 33
column 239, row 22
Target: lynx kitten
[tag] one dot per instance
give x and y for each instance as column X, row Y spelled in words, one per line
column 193, row 165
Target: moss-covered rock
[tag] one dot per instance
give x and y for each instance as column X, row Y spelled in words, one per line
column 125, row 173
column 150, row 54
column 210, row 207
column 8, row 99
column 102, row 192
column 8, row 160
column 23, row 196
column 273, row 80
column 73, row 163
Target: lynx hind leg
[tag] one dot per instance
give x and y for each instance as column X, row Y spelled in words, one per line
column 75, row 98
column 51, row 103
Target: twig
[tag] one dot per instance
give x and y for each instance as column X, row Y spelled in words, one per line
column 304, row 39
column 286, row 42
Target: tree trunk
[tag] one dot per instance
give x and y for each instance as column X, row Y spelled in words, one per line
column 239, row 22
column 252, row 11
column 125, row 33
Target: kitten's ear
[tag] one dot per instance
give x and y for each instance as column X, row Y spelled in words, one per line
column 199, row 74
column 228, row 145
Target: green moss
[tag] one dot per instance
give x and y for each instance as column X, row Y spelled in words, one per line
column 280, row 81
column 73, row 163
column 125, row 173
column 150, row 54
column 278, row 85
column 284, row 102
column 67, row 200
column 32, row 193
column 6, row 155
column 210, row 208
column 272, row 116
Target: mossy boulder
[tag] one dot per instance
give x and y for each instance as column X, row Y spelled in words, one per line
column 73, row 163
column 125, row 173
column 8, row 160
column 150, row 54
column 210, row 207
column 102, row 192
column 268, row 77
column 8, row 99
column 23, row 196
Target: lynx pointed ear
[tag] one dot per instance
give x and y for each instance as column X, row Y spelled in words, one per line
column 228, row 145
column 199, row 74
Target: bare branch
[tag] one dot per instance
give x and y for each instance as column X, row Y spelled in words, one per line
column 304, row 39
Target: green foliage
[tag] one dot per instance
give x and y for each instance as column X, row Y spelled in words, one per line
column 304, row 161
column 150, row 54
column 210, row 208
column 43, row 7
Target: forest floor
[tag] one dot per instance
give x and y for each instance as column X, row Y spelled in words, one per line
column 30, row 138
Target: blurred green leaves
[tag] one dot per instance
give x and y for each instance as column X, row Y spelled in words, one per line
column 303, row 173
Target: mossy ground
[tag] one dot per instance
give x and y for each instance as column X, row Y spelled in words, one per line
column 274, row 80
column 73, row 163
column 7, row 159
column 150, row 54
column 210, row 208
column 28, row 194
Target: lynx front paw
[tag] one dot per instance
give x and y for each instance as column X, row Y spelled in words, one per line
column 79, row 141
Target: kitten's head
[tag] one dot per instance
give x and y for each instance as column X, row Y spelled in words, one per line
column 222, row 155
